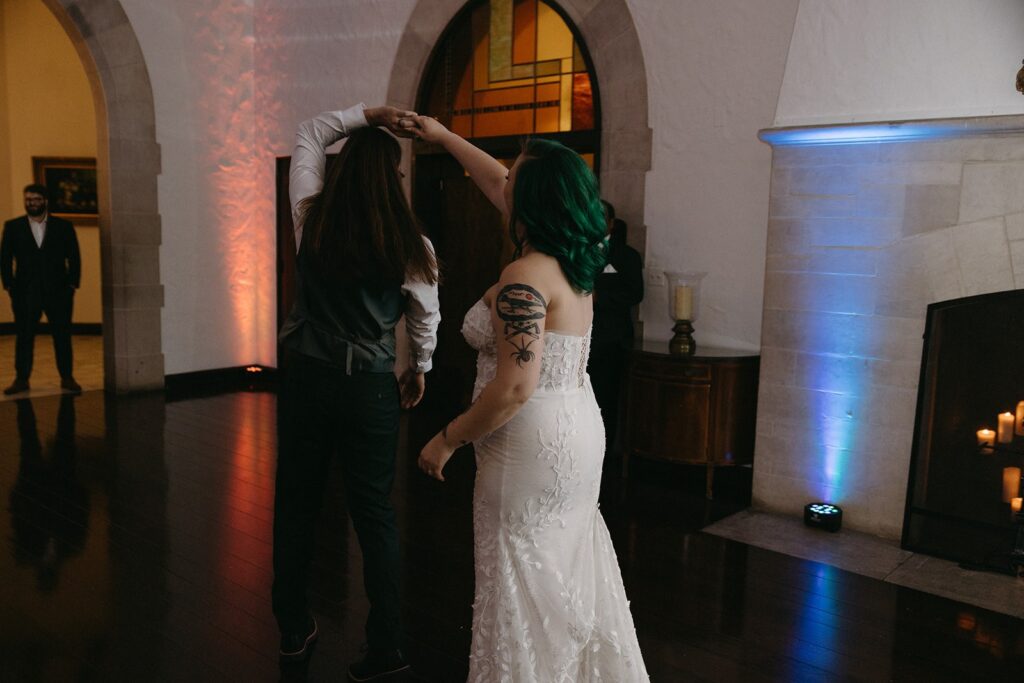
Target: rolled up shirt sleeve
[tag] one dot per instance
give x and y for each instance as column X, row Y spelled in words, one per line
column 309, row 158
column 422, row 316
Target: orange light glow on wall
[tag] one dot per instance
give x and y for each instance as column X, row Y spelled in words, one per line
column 237, row 176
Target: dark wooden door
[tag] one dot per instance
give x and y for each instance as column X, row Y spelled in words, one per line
column 473, row 246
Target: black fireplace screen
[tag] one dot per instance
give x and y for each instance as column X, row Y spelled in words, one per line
column 960, row 493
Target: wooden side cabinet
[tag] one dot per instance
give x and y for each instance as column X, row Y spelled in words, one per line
column 698, row 410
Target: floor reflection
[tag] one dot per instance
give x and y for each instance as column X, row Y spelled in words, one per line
column 49, row 506
column 138, row 539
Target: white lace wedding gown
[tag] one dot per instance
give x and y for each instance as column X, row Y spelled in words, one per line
column 550, row 605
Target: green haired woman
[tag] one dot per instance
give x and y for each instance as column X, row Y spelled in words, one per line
column 550, row 603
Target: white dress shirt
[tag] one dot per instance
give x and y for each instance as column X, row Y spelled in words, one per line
column 306, row 178
column 38, row 229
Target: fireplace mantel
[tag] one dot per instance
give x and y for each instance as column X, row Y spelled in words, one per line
column 893, row 131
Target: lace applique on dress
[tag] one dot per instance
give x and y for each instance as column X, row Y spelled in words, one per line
column 550, row 604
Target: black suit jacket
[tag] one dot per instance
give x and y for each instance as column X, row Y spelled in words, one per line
column 29, row 269
column 615, row 294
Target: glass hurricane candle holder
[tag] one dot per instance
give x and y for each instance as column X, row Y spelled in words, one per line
column 683, row 306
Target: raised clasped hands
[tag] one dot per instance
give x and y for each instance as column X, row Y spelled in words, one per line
column 426, row 128
column 398, row 121
column 434, row 456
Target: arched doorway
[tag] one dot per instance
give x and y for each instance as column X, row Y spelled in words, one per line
column 608, row 31
column 501, row 71
column 48, row 136
column 127, row 164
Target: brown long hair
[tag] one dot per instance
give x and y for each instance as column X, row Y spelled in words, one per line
column 360, row 225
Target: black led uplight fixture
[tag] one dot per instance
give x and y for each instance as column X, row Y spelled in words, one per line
column 823, row 516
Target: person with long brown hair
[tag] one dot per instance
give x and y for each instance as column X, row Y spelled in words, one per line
column 362, row 263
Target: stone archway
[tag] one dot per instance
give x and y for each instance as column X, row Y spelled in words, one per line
column 128, row 163
column 607, row 29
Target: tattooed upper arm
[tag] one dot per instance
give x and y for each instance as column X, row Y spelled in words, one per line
column 522, row 310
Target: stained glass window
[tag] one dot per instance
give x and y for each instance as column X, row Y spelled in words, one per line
column 510, row 67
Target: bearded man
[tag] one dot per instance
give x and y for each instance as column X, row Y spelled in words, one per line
column 41, row 268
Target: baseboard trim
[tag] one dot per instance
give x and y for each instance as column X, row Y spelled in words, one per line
column 184, row 385
column 44, row 328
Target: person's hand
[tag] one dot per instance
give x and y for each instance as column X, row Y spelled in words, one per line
column 434, row 456
column 412, row 385
column 428, row 128
column 398, row 121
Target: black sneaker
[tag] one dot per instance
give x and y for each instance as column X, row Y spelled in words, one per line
column 295, row 646
column 18, row 386
column 376, row 666
column 70, row 384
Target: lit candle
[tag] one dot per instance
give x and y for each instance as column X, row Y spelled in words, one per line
column 684, row 302
column 1006, row 421
column 1015, row 504
column 1011, row 483
column 986, row 437
column 1019, row 424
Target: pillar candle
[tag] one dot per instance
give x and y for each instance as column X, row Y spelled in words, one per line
column 1011, row 483
column 1019, row 424
column 1015, row 505
column 986, row 437
column 684, row 302
column 1006, row 421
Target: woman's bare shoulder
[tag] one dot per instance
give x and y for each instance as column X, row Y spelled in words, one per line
column 533, row 265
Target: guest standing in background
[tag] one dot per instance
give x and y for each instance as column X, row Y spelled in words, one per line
column 617, row 290
column 41, row 268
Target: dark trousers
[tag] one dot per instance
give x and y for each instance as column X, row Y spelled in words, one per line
column 607, row 367
column 28, row 309
column 325, row 414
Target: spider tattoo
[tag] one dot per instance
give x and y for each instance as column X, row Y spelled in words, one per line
column 522, row 354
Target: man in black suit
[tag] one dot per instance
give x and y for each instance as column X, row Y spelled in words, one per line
column 617, row 290
column 41, row 269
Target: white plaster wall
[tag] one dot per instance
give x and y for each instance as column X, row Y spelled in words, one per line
column 216, row 186
column 231, row 81
column 880, row 60
column 322, row 55
column 714, row 70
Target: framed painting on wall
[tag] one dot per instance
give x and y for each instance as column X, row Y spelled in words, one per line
column 71, row 182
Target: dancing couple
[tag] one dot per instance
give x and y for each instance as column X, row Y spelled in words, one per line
column 549, row 601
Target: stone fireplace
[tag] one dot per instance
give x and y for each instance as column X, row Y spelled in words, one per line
column 868, row 225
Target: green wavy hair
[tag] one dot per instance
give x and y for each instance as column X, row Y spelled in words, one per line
column 557, row 201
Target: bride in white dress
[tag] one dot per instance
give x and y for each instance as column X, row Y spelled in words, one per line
column 550, row 605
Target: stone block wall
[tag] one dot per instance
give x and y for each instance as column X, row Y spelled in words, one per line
column 864, row 232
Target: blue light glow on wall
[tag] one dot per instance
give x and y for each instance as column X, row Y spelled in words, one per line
column 853, row 134
column 840, row 441
column 838, row 382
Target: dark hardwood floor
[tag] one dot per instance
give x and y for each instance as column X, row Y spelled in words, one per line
column 137, row 548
